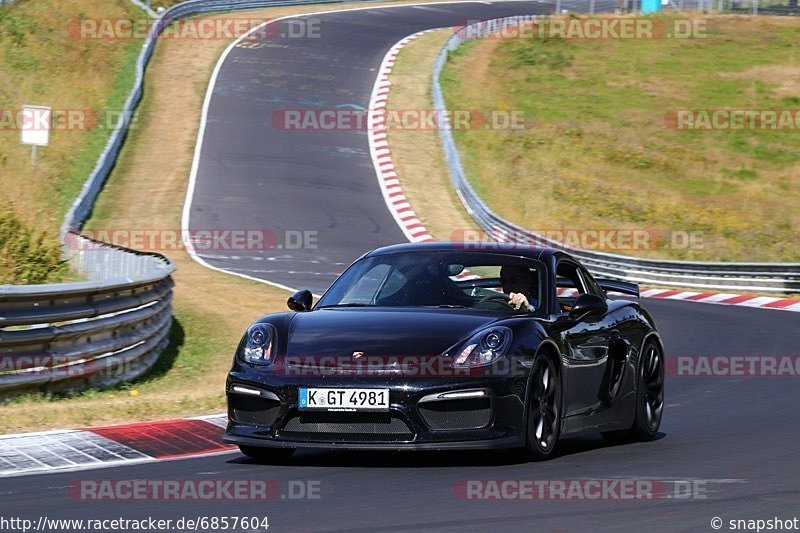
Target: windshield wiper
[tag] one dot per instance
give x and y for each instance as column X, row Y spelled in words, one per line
column 451, row 306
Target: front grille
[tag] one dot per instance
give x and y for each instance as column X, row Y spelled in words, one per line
column 348, row 427
column 253, row 410
column 470, row 413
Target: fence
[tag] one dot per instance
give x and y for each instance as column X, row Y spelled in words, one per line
column 754, row 7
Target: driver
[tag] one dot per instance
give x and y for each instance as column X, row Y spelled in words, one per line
column 519, row 283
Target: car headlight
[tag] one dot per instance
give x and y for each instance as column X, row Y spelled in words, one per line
column 485, row 347
column 259, row 342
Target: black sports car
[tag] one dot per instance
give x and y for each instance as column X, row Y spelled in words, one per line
column 449, row 346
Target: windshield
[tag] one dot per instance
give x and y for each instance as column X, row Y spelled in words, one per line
column 439, row 279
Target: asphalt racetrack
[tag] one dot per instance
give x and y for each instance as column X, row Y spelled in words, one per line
column 736, row 439
column 253, row 175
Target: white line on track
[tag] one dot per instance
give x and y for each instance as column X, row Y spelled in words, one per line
column 204, row 120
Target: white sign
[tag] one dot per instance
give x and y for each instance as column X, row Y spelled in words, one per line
column 36, row 124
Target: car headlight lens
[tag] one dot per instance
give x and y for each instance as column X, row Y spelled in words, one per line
column 258, row 344
column 484, row 347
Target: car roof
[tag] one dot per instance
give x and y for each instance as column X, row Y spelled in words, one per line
column 511, row 249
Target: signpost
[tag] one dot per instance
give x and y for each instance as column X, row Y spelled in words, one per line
column 37, row 121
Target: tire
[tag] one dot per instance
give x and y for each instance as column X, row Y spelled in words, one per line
column 266, row 454
column 544, row 409
column 649, row 398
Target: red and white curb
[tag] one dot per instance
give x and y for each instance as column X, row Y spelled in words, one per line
column 415, row 230
column 746, row 300
column 102, row 447
column 392, row 191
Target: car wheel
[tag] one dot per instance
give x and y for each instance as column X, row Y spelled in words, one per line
column 266, row 454
column 544, row 409
column 649, row 398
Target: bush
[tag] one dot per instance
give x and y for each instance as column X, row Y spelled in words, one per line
column 27, row 256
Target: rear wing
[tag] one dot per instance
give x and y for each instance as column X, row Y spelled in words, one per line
column 610, row 285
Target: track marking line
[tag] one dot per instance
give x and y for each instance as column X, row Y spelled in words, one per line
column 187, row 205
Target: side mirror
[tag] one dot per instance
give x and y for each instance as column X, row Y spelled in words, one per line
column 300, row 301
column 588, row 305
column 454, row 269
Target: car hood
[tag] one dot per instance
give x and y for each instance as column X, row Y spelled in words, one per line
column 381, row 331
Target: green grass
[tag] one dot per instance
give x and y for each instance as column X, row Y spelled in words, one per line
column 85, row 158
column 164, row 3
column 43, row 62
column 596, row 151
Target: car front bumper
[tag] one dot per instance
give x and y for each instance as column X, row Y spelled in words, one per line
column 263, row 411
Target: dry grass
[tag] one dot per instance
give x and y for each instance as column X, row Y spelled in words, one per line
column 417, row 153
column 596, row 152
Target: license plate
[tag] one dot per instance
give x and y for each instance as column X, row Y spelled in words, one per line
column 344, row 399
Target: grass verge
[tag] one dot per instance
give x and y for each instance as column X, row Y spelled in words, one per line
column 597, row 153
column 38, row 46
column 46, row 63
column 417, row 152
column 27, row 257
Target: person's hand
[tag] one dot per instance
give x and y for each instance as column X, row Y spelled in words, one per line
column 518, row 301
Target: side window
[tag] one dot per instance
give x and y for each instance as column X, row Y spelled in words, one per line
column 591, row 285
column 569, row 285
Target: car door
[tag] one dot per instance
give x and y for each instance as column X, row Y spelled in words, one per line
column 587, row 344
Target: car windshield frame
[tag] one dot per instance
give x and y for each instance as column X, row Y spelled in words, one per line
column 336, row 295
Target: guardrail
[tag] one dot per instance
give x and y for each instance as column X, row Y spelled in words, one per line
column 90, row 333
column 768, row 277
